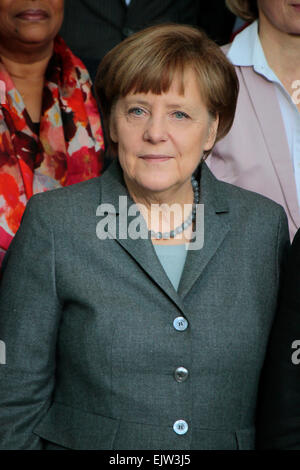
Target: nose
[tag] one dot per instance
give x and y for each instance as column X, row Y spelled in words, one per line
column 156, row 129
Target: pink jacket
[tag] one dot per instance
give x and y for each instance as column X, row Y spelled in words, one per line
column 255, row 154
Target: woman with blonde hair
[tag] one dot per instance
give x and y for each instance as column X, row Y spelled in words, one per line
column 262, row 150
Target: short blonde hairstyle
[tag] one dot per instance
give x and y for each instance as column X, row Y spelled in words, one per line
column 245, row 9
column 149, row 59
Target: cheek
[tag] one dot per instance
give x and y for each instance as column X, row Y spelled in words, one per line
column 193, row 142
column 126, row 159
column 57, row 5
column 128, row 147
column 274, row 11
column 128, row 136
column 6, row 16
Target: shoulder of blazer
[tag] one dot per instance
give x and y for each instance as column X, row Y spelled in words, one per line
column 76, row 198
column 239, row 198
column 226, row 197
column 83, row 197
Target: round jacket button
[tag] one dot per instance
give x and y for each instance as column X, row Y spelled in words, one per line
column 180, row 426
column 180, row 324
column 181, row 374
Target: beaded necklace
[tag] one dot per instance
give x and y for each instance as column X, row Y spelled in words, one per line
column 187, row 222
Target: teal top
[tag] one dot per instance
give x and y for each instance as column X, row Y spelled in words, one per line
column 172, row 259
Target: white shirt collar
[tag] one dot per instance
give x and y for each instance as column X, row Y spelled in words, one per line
column 246, row 50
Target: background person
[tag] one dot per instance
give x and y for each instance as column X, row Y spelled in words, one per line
column 50, row 130
column 279, row 410
column 93, row 27
column 142, row 343
column 262, row 150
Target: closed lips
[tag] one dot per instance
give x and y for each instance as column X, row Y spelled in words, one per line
column 155, row 157
column 33, row 14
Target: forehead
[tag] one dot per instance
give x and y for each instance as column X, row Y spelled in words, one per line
column 183, row 86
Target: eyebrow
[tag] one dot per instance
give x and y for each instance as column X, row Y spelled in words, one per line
column 136, row 101
column 131, row 100
column 178, row 105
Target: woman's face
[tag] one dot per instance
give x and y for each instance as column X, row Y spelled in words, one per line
column 161, row 138
column 284, row 15
column 29, row 22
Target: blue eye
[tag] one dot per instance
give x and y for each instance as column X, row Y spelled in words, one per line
column 136, row 111
column 180, row 115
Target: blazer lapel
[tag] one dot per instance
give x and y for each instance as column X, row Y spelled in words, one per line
column 144, row 254
column 141, row 250
column 273, row 130
column 216, row 227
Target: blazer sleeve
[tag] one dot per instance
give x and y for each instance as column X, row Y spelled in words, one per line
column 29, row 319
column 278, row 418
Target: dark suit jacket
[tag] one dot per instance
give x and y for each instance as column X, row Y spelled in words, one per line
column 88, row 324
column 279, row 404
column 92, row 27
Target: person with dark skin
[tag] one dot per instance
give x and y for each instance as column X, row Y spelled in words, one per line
column 50, row 127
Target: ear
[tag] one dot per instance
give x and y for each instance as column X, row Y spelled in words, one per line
column 212, row 132
column 112, row 128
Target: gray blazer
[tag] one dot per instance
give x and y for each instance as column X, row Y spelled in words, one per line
column 89, row 325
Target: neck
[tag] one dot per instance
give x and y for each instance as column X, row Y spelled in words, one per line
column 281, row 50
column 175, row 195
column 27, row 66
column 163, row 211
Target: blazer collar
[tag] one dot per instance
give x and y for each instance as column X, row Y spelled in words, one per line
column 216, row 226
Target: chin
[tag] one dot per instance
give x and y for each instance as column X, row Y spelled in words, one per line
column 36, row 33
column 156, row 185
